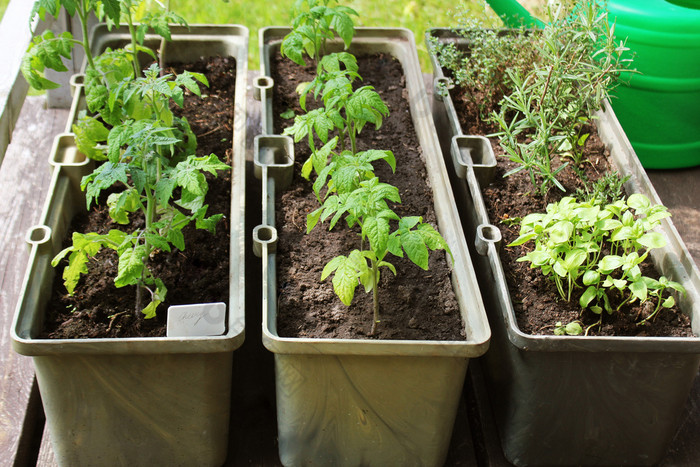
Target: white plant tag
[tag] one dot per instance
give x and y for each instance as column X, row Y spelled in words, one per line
column 202, row 319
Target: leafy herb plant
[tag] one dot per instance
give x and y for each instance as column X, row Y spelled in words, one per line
column 546, row 84
column 597, row 249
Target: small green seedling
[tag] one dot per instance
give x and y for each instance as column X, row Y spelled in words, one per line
column 314, row 24
column 345, row 109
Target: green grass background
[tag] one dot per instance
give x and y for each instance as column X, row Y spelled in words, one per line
column 416, row 15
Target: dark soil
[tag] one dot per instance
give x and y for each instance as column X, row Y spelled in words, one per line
column 416, row 304
column 536, row 301
column 197, row 275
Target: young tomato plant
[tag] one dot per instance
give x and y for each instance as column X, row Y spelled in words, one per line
column 143, row 156
column 345, row 109
column 367, row 206
column 47, row 50
column 315, row 23
column 345, row 183
column 597, row 249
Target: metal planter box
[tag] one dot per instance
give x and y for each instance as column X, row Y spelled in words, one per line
column 136, row 401
column 365, row 402
column 561, row 400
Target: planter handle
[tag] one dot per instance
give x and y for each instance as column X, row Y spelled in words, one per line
column 442, row 87
column 475, row 153
column 264, row 236
column 262, row 91
column 486, row 234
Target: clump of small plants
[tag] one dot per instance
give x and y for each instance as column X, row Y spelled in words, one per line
column 146, row 155
column 597, row 248
column 547, row 85
column 345, row 183
column 539, row 90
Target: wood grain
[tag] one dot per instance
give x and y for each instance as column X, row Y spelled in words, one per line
column 24, row 178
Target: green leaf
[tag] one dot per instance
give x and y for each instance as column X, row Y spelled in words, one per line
column 77, row 265
column 346, row 274
column 591, row 277
column 157, row 241
column 523, row 239
column 312, row 219
column 609, row 263
column 176, row 237
column 89, row 133
column 561, row 232
column 46, row 51
column 588, row 296
column 639, row 289
column 150, row 310
column 639, row 202
column 344, row 27
column 413, row 244
column 130, row 266
column 652, row 240
column 121, row 204
column 164, row 191
column 377, row 231
column 293, row 48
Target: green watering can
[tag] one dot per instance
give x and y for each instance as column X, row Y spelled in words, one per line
column 659, row 107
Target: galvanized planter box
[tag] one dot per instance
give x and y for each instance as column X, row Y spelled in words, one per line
column 561, row 400
column 136, row 401
column 365, row 402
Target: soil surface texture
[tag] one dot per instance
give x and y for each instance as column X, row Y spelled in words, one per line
column 199, row 274
column 415, row 304
column 536, row 301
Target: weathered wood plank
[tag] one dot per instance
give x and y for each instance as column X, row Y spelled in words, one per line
column 15, row 35
column 24, row 179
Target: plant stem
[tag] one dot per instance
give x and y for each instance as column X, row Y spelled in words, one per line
column 83, row 15
column 375, row 296
column 351, row 133
column 132, row 33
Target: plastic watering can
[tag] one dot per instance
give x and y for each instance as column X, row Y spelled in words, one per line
column 659, row 107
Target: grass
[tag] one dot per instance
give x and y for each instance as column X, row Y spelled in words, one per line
column 416, row 15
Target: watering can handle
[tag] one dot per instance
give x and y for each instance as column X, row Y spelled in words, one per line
column 514, row 15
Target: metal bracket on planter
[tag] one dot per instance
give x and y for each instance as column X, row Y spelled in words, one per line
column 441, row 87
column 474, row 152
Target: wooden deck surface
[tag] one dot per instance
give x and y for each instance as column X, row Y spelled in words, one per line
column 24, row 177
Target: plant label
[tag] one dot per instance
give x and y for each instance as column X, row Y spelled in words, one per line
column 202, row 319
